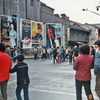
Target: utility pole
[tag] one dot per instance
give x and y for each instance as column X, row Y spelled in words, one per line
column 18, row 23
column 3, row 7
column 26, row 9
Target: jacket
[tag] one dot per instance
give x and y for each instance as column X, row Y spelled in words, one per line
column 83, row 65
column 97, row 63
column 5, row 65
column 22, row 73
column 54, row 51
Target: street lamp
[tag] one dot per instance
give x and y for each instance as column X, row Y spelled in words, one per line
column 91, row 11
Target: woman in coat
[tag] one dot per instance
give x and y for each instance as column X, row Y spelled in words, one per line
column 83, row 65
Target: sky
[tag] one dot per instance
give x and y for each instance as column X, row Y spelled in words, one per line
column 73, row 9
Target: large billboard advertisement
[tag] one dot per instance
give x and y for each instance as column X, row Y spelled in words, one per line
column 9, row 31
column 26, row 33
column 53, row 34
column 37, row 33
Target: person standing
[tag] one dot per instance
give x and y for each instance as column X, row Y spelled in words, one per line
column 83, row 65
column 93, row 52
column 75, row 53
column 97, row 70
column 21, row 68
column 5, row 65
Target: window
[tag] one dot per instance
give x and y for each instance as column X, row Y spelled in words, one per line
column 31, row 2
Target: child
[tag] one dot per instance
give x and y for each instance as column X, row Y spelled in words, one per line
column 15, row 55
column 21, row 68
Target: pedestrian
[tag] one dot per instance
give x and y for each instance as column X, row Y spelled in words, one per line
column 5, row 65
column 66, row 53
column 21, row 68
column 83, row 65
column 54, row 52
column 70, row 53
column 93, row 52
column 35, row 53
column 75, row 53
column 97, row 70
column 58, row 55
column 50, row 52
column 15, row 55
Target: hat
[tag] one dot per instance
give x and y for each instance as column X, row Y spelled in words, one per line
column 75, row 46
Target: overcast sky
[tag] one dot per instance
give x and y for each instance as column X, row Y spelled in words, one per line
column 73, row 9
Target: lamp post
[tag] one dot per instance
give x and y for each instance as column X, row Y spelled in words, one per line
column 96, row 30
column 91, row 11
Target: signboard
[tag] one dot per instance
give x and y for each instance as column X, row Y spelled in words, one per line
column 96, row 34
column 9, row 31
column 37, row 33
column 26, row 33
column 53, row 32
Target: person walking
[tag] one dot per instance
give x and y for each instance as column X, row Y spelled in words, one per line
column 54, row 54
column 70, row 53
column 5, row 65
column 83, row 65
column 21, row 68
column 66, row 53
column 58, row 54
column 35, row 53
column 97, row 70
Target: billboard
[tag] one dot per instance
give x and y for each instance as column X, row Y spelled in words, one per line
column 96, row 34
column 26, row 33
column 9, row 31
column 53, row 34
column 37, row 33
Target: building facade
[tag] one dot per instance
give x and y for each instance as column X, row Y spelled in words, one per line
column 38, row 11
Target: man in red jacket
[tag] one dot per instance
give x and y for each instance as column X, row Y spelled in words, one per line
column 5, row 65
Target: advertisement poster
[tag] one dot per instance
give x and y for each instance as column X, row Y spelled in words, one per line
column 26, row 34
column 37, row 33
column 9, row 31
column 53, row 32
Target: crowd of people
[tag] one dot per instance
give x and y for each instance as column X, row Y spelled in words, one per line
column 84, row 59
column 59, row 54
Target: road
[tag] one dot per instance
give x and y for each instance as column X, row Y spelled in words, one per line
column 49, row 81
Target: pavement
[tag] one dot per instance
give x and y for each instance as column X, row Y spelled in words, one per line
column 49, row 81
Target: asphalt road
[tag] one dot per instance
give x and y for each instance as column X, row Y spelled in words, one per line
column 49, row 81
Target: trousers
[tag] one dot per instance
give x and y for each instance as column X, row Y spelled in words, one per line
column 3, row 86
column 25, row 90
column 97, row 86
column 86, row 85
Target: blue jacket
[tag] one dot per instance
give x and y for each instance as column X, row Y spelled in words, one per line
column 22, row 73
column 97, row 63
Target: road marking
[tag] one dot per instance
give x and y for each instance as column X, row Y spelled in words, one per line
column 48, row 91
column 57, row 92
column 11, row 82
